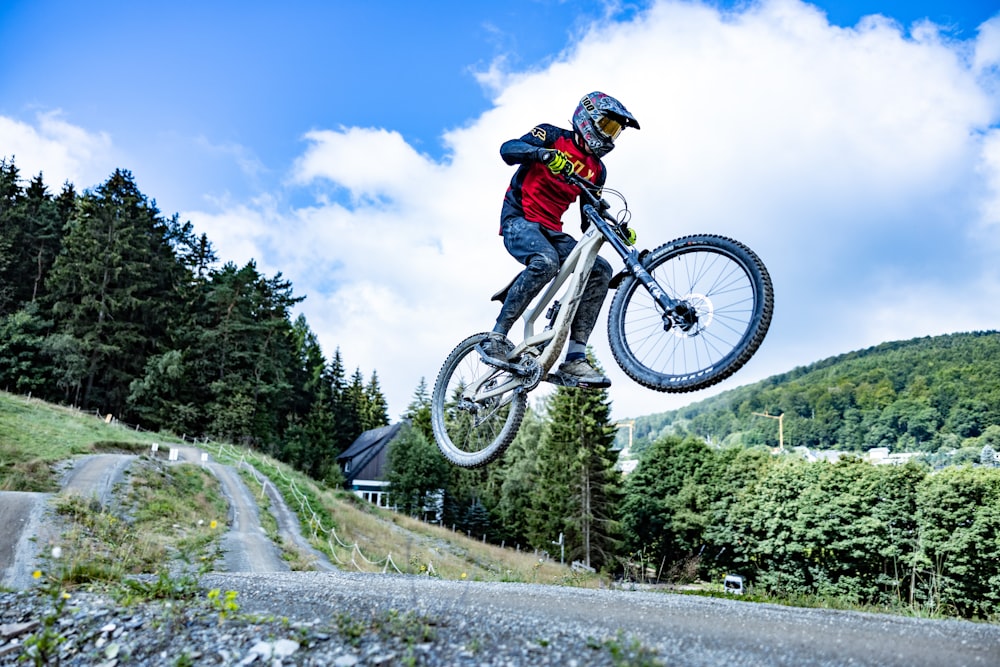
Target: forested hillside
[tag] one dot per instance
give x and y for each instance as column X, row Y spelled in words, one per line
column 109, row 306
column 938, row 395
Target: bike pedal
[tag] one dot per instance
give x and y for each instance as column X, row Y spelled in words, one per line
column 561, row 380
column 557, row 379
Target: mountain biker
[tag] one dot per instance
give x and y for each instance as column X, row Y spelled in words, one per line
column 531, row 223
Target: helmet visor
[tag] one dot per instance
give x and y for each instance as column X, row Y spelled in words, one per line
column 609, row 127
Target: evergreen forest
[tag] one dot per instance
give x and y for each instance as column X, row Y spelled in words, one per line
column 937, row 396
column 849, row 533
column 110, row 306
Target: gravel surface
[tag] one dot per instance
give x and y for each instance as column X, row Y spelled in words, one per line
column 343, row 619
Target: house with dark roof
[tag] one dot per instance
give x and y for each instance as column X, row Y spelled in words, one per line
column 364, row 464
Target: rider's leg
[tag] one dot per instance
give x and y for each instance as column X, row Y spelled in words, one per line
column 577, row 367
column 576, row 370
column 590, row 307
column 527, row 243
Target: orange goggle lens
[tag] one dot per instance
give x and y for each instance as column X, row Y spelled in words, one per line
column 609, row 127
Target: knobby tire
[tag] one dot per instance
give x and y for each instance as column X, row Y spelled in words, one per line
column 472, row 433
column 732, row 293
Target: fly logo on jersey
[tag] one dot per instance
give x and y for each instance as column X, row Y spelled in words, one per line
column 538, row 133
column 578, row 167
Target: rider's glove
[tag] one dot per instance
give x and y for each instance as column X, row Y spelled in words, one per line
column 629, row 235
column 557, row 162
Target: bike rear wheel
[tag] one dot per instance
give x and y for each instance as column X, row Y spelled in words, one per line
column 730, row 291
column 475, row 409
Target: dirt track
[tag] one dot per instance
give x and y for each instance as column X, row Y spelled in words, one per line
column 246, row 547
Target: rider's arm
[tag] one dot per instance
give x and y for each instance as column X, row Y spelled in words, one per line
column 529, row 147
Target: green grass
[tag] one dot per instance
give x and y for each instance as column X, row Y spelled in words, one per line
column 34, row 435
column 332, row 517
column 167, row 518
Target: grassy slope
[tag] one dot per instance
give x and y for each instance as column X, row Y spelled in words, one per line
column 35, row 435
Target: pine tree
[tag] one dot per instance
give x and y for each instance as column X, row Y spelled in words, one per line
column 24, row 368
column 310, row 420
column 253, row 355
column 353, row 408
column 375, row 410
column 515, row 477
column 113, row 291
column 30, row 233
column 346, row 425
column 11, row 232
column 418, row 412
column 417, row 471
column 43, row 238
column 578, row 487
column 463, row 491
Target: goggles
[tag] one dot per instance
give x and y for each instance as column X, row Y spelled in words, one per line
column 609, row 127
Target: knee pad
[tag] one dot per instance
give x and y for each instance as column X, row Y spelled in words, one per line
column 543, row 266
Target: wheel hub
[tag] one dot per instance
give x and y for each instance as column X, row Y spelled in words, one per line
column 694, row 314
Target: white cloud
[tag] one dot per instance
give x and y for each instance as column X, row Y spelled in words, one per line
column 989, row 168
column 986, row 53
column 862, row 164
column 59, row 150
column 841, row 155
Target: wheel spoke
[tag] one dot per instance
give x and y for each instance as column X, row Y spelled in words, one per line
column 728, row 290
column 475, row 410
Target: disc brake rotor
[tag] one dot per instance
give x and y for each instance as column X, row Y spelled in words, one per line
column 703, row 313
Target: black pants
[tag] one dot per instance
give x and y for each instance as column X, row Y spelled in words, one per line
column 543, row 251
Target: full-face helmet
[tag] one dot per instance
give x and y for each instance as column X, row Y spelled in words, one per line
column 599, row 119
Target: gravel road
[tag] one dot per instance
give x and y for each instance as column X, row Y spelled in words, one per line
column 507, row 619
column 26, row 532
column 20, row 515
column 352, row 619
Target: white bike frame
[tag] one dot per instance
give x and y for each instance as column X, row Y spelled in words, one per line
column 574, row 274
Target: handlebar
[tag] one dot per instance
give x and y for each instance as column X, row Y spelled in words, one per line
column 591, row 191
column 617, row 234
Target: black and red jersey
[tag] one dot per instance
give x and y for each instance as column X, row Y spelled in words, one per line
column 535, row 192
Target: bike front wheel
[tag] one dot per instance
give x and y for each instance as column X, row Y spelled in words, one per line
column 475, row 409
column 729, row 293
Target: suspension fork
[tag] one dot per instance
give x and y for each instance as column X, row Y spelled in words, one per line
column 671, row 310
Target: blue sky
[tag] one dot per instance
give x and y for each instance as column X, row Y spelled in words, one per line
column 353, row 147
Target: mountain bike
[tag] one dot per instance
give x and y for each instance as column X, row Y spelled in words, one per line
column 684, row 317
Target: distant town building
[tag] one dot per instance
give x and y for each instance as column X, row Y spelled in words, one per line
column 881, row 456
